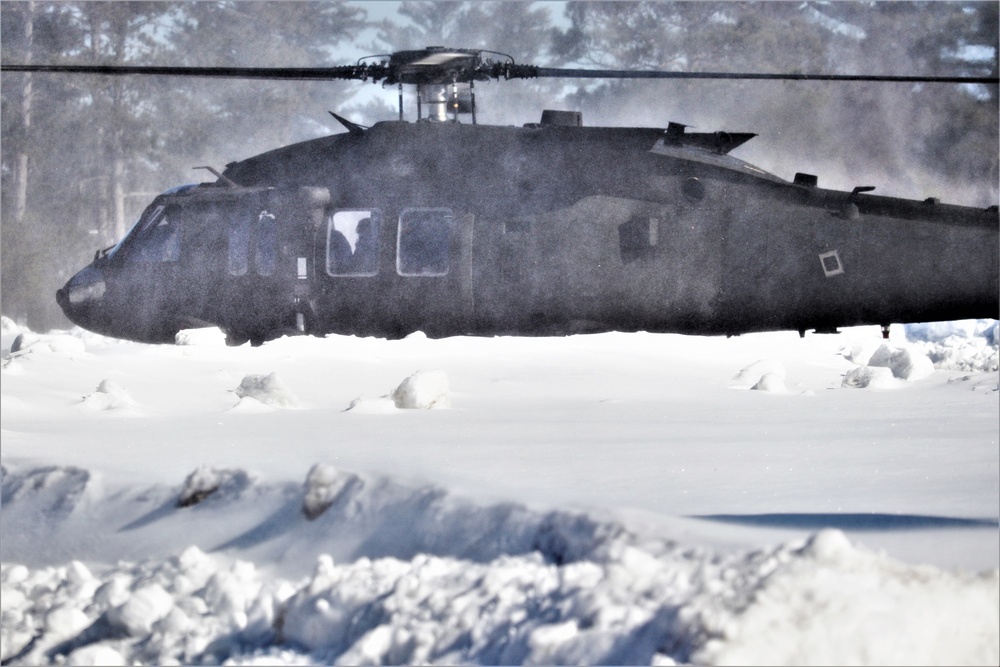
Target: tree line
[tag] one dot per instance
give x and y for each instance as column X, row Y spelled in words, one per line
column 82, row 155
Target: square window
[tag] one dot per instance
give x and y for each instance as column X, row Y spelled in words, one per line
column 352, row 243
column 424, row 244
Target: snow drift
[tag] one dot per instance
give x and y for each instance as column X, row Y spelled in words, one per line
column 487, row 585
column 615, row 499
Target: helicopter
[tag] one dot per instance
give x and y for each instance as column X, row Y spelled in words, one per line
column 452, row 228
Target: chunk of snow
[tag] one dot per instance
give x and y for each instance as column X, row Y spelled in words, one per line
column 870, row 377
column 205, row 337
column 206, row 481
column 109, row 395
column 141, row 610
column 59, row 345
column 267, row 389
column 8, row 326
column 53, row 490
column 324, row 484
column 905, row 364
column 96, row 654
column 771, row 382
column 65, row 621
column 424, row 390
column 861, row 351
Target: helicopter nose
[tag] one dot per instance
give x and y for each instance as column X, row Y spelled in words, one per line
column 81, row 294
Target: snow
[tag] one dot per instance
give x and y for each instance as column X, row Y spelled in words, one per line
column 613, row 498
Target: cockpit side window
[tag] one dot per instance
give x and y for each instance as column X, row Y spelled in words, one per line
column 266, row 255
column 159, row 239
column 252, row 228
column 239, row 243
column 424, row 244
column 352, row 242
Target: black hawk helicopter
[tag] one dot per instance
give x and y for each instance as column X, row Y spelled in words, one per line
column 455, row 228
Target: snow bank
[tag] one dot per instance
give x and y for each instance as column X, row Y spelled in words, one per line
column 463, row 583
column 824, row 602
column 966, row 345
column 63, row 345
column 357, row 567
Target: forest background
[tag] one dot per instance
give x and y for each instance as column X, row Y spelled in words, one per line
column 83, row 155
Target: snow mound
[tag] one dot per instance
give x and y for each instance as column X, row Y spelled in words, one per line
column 324, row 485
column 905, row 363
column 27, row 344
column 206, row 481
column 871, row 377
column 424, row 390
column 771, row 382
column 109, row 396
column 266, row 389
column 860, row 351
column 205, row 337
column 8, row 326
column 889, row 367
column 51, row 491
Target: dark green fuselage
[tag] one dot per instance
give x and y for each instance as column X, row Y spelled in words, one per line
column 536, row 230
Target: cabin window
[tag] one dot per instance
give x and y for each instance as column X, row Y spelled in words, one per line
column 637, row 238
column 239, row 244
column 266, row 255
column 352, row 243
column 424, row 244
column 159, row 240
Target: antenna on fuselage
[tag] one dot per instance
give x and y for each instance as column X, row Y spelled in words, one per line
column 352, row 127
column 215, row 172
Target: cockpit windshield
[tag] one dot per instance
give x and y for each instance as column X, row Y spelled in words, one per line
column 155, row 237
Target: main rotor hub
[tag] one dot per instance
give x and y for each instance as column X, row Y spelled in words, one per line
column 437, row 65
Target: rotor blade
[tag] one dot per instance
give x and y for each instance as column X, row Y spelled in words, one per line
column 275, row 73
column 377, row 72
column 660, row 74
